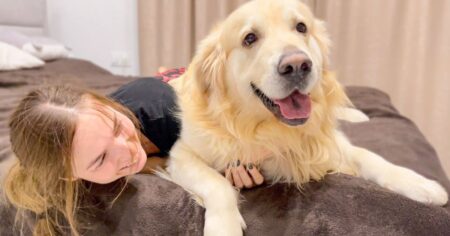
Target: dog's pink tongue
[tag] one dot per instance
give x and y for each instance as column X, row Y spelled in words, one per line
column 295, row 106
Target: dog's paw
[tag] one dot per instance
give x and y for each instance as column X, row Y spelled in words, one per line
column 414, row 186
column 351, row 115
column 224, row 222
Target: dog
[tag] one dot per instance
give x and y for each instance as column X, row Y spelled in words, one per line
column 260, row 83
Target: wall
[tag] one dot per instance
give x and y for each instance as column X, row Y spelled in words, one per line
column 100, row 31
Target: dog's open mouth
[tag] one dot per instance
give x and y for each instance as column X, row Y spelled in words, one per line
column 292, row 110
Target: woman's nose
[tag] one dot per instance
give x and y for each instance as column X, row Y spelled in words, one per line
column 125, row 147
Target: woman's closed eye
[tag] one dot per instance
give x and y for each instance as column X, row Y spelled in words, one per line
column 100, row 160
column 117, row 130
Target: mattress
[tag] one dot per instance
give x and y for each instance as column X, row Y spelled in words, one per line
column 337, row 205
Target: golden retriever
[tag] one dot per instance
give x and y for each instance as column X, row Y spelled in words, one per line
column 258, row 84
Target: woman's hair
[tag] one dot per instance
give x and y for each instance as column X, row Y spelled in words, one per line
column 42, row 129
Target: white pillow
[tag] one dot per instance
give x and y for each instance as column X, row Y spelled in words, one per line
column 46, row 52
column 12, row 58
column 41, row 47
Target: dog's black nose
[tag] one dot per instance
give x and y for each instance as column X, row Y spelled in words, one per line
column 294, row 65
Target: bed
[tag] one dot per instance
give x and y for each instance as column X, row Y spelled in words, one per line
column 338, row 205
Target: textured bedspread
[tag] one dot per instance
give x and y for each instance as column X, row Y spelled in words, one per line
column 338, row 205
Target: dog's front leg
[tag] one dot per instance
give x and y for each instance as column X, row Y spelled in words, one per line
column 399, row 179
column 222, row 216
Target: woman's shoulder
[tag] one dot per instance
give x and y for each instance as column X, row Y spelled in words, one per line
column 148, row 98
column 150, row 94
column 144, row 89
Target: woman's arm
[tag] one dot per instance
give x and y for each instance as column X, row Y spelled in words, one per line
column 239, row 175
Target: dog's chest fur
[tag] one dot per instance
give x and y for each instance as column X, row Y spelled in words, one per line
column 282, row 159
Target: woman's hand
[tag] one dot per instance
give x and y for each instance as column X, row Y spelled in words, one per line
column 243, row 175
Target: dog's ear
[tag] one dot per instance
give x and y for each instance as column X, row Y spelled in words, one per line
column 208, row 64
column 333, row 90
column 323, row 39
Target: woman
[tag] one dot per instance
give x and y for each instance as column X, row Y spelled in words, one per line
column 69, row 140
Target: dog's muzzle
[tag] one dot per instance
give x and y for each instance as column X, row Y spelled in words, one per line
column 293, row 110
column 294, row 67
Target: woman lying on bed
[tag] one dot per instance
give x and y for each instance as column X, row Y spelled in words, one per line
column 68, row 141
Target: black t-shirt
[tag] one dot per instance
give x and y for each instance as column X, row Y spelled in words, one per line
column 154, row 104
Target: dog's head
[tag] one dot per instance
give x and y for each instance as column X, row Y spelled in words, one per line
column 273, row 53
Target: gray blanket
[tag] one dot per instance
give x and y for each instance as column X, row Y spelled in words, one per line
column 338, row 205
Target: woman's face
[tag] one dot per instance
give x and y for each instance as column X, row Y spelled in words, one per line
column 106, row 149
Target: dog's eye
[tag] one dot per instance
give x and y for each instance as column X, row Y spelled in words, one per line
column 250, row 39
column 301, row 27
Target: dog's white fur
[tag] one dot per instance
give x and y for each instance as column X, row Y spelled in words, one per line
column 223, row 120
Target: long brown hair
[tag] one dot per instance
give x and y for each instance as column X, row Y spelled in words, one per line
column 42, row 129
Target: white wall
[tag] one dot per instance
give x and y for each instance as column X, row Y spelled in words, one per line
column 97, row 30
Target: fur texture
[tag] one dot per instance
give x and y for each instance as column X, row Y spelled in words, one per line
column 223, row 120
